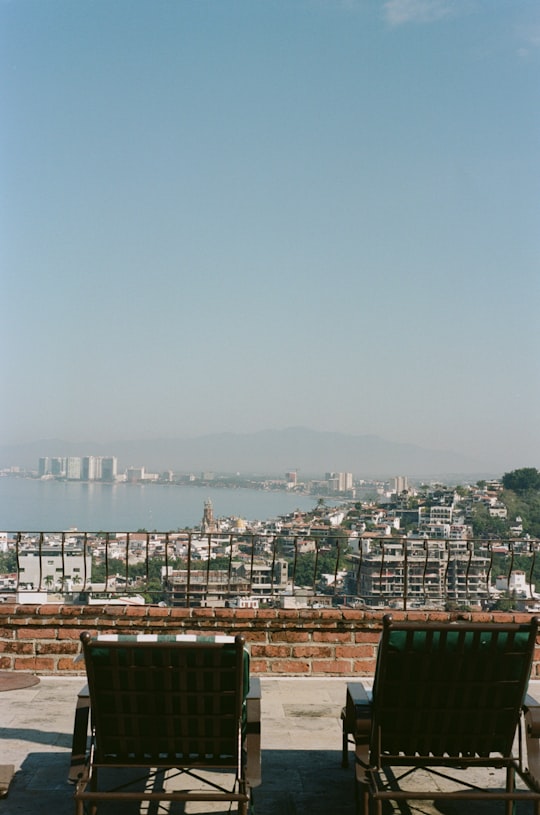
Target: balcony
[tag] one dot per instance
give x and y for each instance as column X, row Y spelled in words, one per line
column 301, row 753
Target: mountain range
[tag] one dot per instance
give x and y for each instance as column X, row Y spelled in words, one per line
column 310, row 452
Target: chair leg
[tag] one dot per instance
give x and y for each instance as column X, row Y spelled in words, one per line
column 510, row 786
column 345, row 746
column 361, row 798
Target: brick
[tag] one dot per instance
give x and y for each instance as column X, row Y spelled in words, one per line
column 34, row 664
column 66, row 647
column 287, row 614
column 15, row 647
column 331, row 614
column 485, row 617
column 256, row 636
column 66, row 664
column 6, row 663
column 25, row 611
column 374, row 616
column 311, row 615
column 36, row 633
column 202, row 612
column 353, row 614
column 267, row 614
column 332, row 636
column 289, row 636
column 519, row 618
column 70, row 611
column 228, row 613
column 313, row 651
column 91, row 611
column 353, row 651
column 357, row 651
column 502, row 617
column 419, row 616
column 136, row 611
column 180, row 612
column 292, row 625
column 271, row 651
column 397, row 616
column 243, row 614
column 364, row 667
column 69, row 633
column 49, row 610
column 367, row 636
column 258, row 666
column 157, row 611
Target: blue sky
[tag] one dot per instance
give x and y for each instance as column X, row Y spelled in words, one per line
column 233, row 215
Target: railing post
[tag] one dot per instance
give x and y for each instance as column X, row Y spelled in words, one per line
column 405, row 573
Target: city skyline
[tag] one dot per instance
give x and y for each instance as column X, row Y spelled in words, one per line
column 235, row 217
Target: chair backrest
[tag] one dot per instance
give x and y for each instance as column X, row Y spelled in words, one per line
column 165, row 700
column 452, row 689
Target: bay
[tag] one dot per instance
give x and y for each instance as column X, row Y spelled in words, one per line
column 33, row 505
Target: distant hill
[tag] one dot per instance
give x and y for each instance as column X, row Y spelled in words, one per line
column 311, row 452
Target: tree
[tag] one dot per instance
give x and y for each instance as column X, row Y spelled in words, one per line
column 8, row 562
column 484, row 526
column 526, row 479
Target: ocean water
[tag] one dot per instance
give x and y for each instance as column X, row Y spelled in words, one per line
column 32, row 505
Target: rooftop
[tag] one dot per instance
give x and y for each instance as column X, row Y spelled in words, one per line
column 301, row 753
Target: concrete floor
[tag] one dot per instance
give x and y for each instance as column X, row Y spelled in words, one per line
column 301, row 754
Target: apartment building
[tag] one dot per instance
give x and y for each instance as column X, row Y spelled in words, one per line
column 199, row 587
column 425, row 571
column 50, row 569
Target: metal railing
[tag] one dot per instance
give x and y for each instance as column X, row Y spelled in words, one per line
column 322, row 567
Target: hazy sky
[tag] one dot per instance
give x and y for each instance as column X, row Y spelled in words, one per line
column 233, row 215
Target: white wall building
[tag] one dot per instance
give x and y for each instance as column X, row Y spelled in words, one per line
column 51, row 569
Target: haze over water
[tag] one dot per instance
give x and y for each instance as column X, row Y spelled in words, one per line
column 34, row 505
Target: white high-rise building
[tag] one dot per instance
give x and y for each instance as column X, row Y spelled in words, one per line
column 73, row 468
column 339, row 482
column 91, row 468
column 401, row 484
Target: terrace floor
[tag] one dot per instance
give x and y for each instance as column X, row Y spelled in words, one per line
column 301, row 754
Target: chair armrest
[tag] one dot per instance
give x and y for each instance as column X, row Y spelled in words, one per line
column 80, row 735
column 7, row 771
column 531, row 715
column 357, row 722
column 356, row 718
column 531, row 709
column 253, row 732
column 358, row 710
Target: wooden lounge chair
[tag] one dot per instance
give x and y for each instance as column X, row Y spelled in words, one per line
column 447, row 698
column 180, row 705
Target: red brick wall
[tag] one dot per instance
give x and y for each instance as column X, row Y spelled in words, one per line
column 307, row 642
